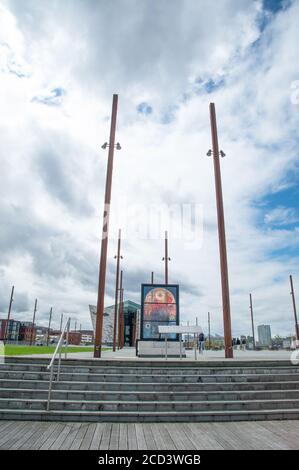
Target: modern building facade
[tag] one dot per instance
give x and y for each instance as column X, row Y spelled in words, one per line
column 131, row 319
column 264, row 335
column 13, row 330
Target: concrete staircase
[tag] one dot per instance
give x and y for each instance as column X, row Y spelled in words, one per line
column 150, row 390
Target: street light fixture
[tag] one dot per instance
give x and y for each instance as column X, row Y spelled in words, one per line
column 105, row 229
column 105, row 145
column 221, row 234
column 210, row 153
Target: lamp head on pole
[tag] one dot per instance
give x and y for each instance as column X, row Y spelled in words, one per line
column 210, row 153
column 105, row 145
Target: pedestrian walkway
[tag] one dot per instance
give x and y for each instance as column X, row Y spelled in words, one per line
column 278, row 435
column 128, row 353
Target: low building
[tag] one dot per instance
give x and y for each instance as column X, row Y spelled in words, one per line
column 264, row 335
column 87, row 336
column 9, row 331
column 286, row 343
column 131, row 319
column 74, row 337
column 55, row 332
column 27, row 332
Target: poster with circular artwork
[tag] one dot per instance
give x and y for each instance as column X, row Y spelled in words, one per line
column 159, row 306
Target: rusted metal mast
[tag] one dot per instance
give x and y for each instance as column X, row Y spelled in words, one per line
column 61, row 321
column 8, row 314
column 294, row 308
column 104, row 242
column 166, row 258
column 252, row 322
column 122, row 323
column 209, row 323
column 49, row 326
column 134, row 329
column 118, row 258
column 119, row 311
column 33, row 322
column 221, row 235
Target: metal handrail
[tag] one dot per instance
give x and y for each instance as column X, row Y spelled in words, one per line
column 52, row 362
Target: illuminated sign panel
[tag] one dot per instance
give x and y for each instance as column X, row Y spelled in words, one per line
column 159, row 306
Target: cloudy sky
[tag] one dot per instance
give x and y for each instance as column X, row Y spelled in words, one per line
column 60, row 63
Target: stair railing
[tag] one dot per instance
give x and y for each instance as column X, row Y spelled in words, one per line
column 58, row 350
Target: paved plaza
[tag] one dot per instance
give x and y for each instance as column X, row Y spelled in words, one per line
column 128, row 353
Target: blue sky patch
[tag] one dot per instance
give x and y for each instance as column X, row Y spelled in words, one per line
column 280, row 210
column 54, row 98
column 144, row 108
column 275, row 5
column 209, row 85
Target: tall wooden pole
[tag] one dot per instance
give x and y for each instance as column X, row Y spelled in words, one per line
column 8, row 314
column 49, row 326
column 33, row 322
column 294, row 308
column 119, row 310
column 105, row 232
column 222, row 239
column 252, row 322
column 118, row 257
column 166, row 258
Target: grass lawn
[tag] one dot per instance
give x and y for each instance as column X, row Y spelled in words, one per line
column 14, row 350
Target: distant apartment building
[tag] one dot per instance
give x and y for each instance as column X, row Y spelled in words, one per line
column 27, row 332
column 86, row 336
column 286, row 343
column 12, row 332
column 74, row 337
column 264, row 335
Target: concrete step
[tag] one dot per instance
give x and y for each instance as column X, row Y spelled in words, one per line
column 165, row 378
column 37, row 367
column 36, row 415
column 150, row 391
column 66, row 395
column 169, row 416
column 150, row 387
column 149, row 406
column 205, row 364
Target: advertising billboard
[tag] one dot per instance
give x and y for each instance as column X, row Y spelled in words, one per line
column 159, row 306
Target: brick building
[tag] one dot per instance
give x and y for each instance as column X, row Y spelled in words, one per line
column 75, row 337
column 27, row 332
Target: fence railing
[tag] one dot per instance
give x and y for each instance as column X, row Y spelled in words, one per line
column 58, row 350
